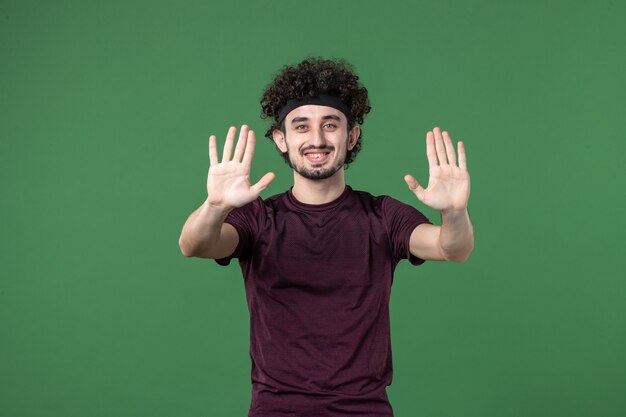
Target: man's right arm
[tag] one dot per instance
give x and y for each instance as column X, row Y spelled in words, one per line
column 205, row 235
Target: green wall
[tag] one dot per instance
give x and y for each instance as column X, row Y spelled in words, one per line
column 105, row 111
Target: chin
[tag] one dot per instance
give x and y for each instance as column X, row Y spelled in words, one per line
column 316, row 172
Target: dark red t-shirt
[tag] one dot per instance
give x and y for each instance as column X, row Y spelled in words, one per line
column 318, row 280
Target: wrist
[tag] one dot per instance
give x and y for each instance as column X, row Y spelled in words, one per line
column 215, row 210
column 454, row 212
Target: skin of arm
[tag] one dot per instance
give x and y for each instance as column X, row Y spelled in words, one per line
column 447, row 191
column 204, row 234
column 452, row 241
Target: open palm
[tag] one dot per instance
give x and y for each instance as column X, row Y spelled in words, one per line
column 448, row 183
column 228, row 182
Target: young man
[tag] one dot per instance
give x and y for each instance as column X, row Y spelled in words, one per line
column 318, row 259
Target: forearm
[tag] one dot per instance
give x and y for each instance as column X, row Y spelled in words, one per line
column 202, row 229
column 457, row 235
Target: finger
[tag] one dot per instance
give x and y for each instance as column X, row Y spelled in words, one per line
column 241, row 143
column 441, row 150
column 263, row 182
column 213, row 150
column 414, row 186
column 411, row 182
column 431, row 153
column 449, row 148
column 249, row 151
column 228, row 145
column 462, row 156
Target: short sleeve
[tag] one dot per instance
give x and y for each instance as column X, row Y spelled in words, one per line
column 401, row 219
column 246, row 221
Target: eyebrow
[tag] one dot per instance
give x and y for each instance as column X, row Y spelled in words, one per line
column 327, row 117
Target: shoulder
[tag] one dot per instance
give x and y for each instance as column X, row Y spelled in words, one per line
column 391, row 209
column 381, row 202
column 261, row 204
column 368, row 200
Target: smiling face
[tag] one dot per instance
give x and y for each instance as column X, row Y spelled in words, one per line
column 316, row 140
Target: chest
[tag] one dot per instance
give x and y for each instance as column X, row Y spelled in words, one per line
column 323, row 252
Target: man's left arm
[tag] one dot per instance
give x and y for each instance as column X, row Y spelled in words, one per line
column 447, row 191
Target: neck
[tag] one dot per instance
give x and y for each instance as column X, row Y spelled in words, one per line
column 318, row 191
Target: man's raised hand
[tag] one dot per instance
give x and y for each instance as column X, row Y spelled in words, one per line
column 228, row 182
column 449, row 182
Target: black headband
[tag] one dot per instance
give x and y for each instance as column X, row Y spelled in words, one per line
column 320, row 100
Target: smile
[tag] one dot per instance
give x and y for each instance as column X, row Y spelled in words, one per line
column 317, row 157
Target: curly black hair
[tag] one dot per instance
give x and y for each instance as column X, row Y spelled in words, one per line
column 311, row 77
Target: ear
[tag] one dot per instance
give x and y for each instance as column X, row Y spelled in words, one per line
column 279, row 139
column 353, row 136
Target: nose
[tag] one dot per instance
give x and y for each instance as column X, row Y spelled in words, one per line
column 317, row 138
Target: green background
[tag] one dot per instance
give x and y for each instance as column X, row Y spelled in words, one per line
column 105, row 111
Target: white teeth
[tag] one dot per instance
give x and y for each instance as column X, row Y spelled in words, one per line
column 316, row 156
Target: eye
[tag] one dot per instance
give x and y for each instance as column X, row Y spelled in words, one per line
column 330, row 126
column 300, row 127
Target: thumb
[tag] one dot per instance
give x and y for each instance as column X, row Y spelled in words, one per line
column 263, row 183
column 414, row 186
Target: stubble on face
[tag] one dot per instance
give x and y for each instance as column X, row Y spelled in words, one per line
column 316, row 173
